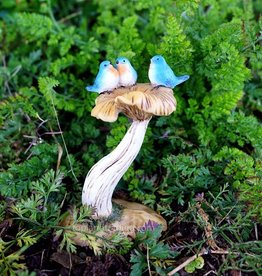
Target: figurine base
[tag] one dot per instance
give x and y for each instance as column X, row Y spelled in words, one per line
column 134, row 217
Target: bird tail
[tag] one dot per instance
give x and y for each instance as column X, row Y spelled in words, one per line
column 181, row 79
column 91, row 88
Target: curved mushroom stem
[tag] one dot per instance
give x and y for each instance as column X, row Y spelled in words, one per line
column 103, row 177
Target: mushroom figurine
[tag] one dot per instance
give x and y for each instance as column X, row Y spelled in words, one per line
column 139, row 103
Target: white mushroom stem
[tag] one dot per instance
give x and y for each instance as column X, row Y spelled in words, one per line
column 103, row 177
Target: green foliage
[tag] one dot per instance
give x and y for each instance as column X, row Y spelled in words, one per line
column 46, row 87
column 249, row 258
column 188, row 175
column 49, row 52
column 40, row 208
column 17, row 179
column 10, row 263
column 150, row 253
column 246, row 175
column 33, row 26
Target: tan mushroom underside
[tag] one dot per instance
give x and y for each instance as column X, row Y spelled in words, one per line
column 138, row 102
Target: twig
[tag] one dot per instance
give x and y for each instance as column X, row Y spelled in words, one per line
column 42, row 120
column 37, row 139
column 191, row 259
column 211, row 271
column 52, row 16
column 16, row 70
column 256, row 232
column 188, row 261
column 70, row 263
column 223, row 252
column 252, row 44
column 59, row 157
column 63, row 139
column 148, row 263
column 6, row 81
column 51, row 132
column 70, row 16
column 42, row 257
column 227, row 215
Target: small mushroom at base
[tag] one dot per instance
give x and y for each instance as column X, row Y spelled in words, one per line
column 134, row 217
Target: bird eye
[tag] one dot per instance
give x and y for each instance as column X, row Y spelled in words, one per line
column 157, row 59
column 124, row 60
column 105, row 65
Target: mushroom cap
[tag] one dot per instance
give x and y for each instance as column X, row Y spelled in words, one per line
column 139, row 102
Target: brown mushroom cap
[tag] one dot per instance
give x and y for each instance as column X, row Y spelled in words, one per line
column 139, row 102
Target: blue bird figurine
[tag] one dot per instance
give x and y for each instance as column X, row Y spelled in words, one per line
column 107, row 78
column 127, row 74
column 160, row 74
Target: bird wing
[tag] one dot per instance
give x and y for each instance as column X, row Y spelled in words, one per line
column 99, row 81
column 169, row 75
column 134, row 73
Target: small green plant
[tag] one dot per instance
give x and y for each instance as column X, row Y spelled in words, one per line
column 151, row 254
column 40, row 209
column 198, row 263
column 10, row 263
